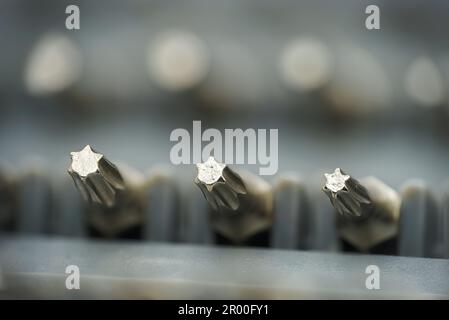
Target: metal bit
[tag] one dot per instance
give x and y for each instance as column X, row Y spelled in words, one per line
column 368, row 210
column 242, row 204
column 116, row 198
column 97, row 179
column 8, row 198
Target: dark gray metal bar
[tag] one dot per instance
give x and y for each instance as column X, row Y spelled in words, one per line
column 35, row 267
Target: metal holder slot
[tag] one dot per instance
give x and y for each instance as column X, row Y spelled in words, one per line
column 35, row 268
column 34, row 215
column 161, row 218
column 290, row 225
column 420, row 231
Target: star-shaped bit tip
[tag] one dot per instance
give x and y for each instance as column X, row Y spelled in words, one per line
column 336, row 181
column 210, row 171
column 85, row 161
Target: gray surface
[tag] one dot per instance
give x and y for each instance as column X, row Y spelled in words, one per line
column 35, row 267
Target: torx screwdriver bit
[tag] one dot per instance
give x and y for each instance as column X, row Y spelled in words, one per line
column 347, row 195
column 161, row 210
column 368, row 210
column 8, row 198
column 242, row 203
column 97, row 179
column 115, row 197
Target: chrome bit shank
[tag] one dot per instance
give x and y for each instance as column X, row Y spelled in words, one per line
column 242, row 203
